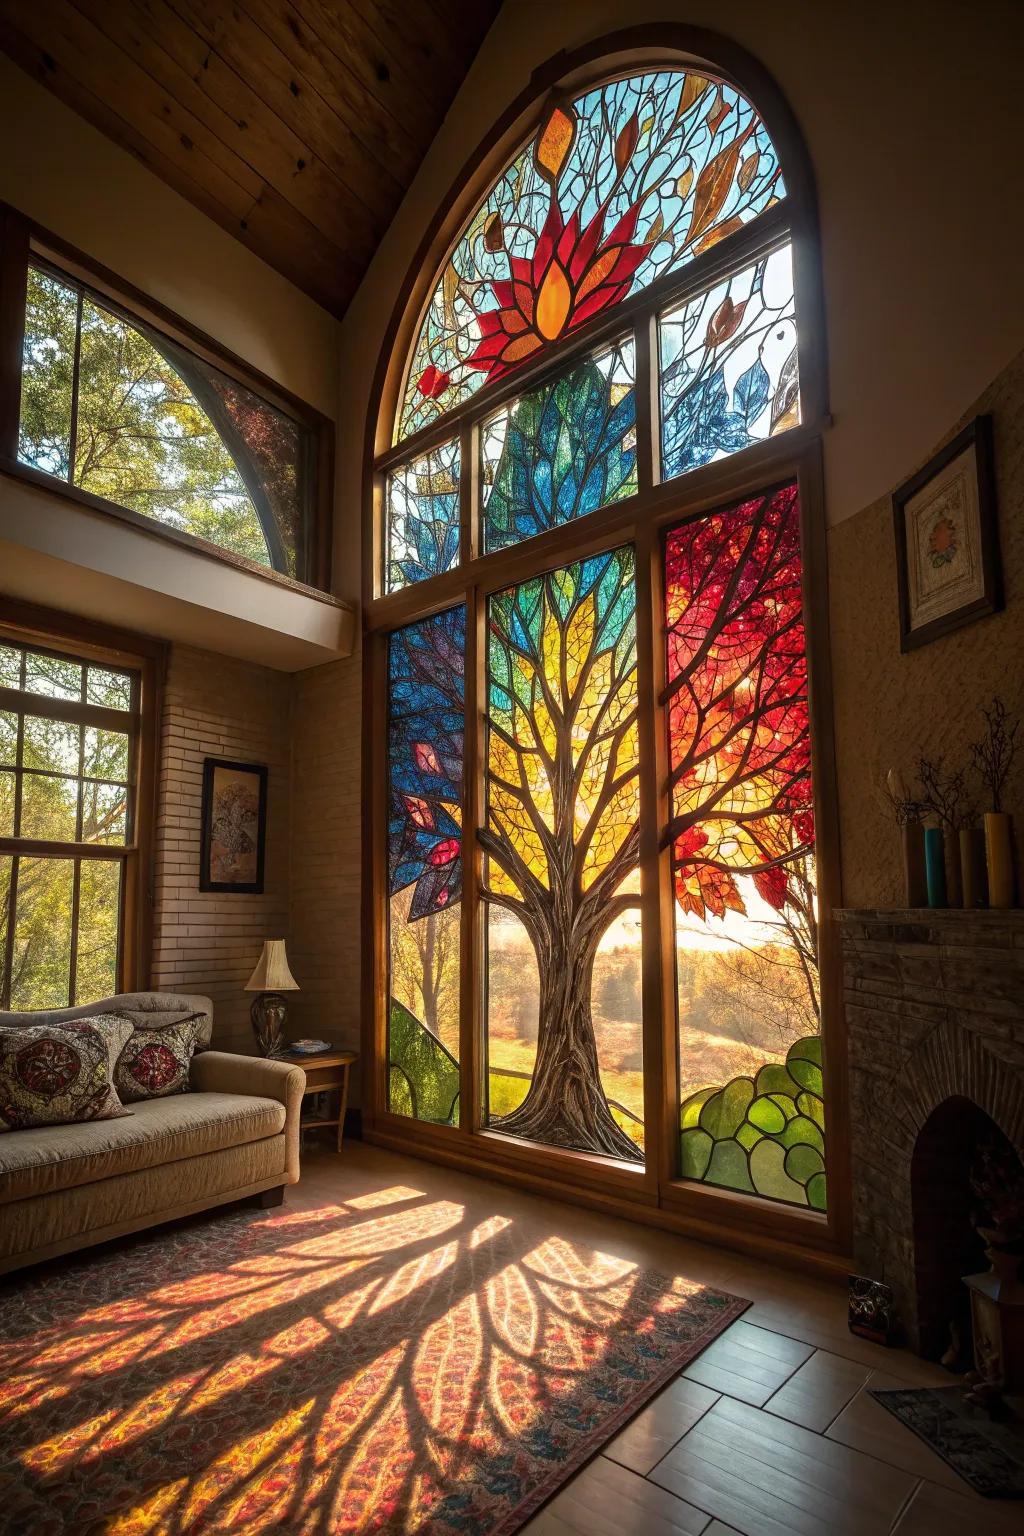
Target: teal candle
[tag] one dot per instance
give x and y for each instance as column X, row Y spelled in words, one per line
column 935, row 866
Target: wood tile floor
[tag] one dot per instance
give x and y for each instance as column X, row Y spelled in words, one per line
column 769, row 1433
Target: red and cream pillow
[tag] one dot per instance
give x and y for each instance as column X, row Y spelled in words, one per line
column 61, row 1074
column 155, row 1062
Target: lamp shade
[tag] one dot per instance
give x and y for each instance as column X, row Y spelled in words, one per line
column 272, row 973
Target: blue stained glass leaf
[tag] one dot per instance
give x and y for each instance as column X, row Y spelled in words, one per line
column 751, row 392
column 561, row 451
column 426, row 668
column 423, row 517
column 619, row 195
column 728, row 366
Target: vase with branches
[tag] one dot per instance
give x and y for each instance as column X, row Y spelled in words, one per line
column 946, row 799
column 905, row 809
column 993, row 756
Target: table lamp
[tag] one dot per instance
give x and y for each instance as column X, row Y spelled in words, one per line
column 269, row 1010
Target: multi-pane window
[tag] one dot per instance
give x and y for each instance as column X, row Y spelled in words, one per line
column 123, row 411
column 69, row 732
column 617, row 316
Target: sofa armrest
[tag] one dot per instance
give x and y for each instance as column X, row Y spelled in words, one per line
column 225, row 1072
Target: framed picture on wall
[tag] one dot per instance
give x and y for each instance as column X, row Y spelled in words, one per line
column 234, row 826
column 947, row 547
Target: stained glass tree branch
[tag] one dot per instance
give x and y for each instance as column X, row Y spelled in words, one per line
column 426, row 664
column 737, row 697
column 628, row 181
column 561, row 833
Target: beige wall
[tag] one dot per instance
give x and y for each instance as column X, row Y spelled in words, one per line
column 71, row 179
column 209, row 942
column 326, row 851
column 305, row 728
column 890, row 708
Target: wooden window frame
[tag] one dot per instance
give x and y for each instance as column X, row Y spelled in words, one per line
column 24, row 243
column 80, row 640
column 653, row 1193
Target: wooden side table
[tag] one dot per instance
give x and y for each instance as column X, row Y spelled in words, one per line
column 325, row 1074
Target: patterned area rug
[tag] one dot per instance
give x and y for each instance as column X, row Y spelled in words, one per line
column 987, row 1453
column 382, row 1366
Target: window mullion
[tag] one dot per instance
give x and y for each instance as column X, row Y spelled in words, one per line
column 471, row 1057
column 648, row 437
column 75, row 381
column 76, row 896
column 12, row 902
column 469, row 492
column 657, row 927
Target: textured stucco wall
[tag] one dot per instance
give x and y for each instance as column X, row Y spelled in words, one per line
column 889, row 708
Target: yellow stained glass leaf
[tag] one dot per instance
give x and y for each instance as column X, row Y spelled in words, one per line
column 554, row 143
column 554, row 301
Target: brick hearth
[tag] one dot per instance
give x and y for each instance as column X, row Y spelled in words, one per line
column 934, row 1006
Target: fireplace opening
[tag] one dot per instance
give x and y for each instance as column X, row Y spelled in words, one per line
column 946, row 1245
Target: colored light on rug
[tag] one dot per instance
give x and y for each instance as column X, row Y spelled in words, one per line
column 384, row 1366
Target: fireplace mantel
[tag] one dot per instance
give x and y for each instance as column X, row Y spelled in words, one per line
column 934, row 1004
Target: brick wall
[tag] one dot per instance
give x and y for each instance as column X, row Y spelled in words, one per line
column 326, row 850
column 214, row 706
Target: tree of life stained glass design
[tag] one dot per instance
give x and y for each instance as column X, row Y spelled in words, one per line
column 561, row 451
column 619, row 186
column 426, row 664
column 561, row 841
column 742, row 838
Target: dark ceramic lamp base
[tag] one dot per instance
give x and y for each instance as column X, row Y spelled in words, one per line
column 268, row 1013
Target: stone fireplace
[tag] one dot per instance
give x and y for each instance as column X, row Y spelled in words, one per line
column 934, row 1004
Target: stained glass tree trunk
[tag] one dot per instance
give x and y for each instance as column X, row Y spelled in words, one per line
column 562, row 836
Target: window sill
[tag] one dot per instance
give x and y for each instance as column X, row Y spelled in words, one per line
column 65, row 548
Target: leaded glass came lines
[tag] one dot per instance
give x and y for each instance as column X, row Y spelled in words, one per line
column 629, row 181
column 562, row 824
column 426, row 701
column 561, row 451
column 729, row 366
column 423, row 517
column 743, row 840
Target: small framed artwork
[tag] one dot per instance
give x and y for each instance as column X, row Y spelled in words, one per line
column 947, row 547
column 234, row 826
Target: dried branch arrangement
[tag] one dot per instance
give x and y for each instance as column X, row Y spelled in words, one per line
column 994, row 753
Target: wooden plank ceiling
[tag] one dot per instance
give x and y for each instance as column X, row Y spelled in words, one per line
column 296, row 124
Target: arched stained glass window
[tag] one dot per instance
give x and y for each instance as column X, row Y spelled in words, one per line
column 620, row 186
column 605, row 877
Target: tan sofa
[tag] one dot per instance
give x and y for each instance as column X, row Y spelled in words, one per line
column 236, row 1134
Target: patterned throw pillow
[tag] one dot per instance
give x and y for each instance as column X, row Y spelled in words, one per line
column 61, row 1074
column 154, row 1062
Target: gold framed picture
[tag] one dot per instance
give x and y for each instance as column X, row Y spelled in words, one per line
column 947, row 548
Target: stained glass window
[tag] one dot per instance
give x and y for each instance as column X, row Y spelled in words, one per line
column 729, row 366
column 561, row 842
column 423, row 517
column 742, row 836
column 561, row 451
column 426, row 663
column 627, row 182
column 117, row 408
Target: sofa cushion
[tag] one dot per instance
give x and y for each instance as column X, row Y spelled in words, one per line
column 147, row 1010
column 45, row 1159
column 155, row 1062
column 61, row 1074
